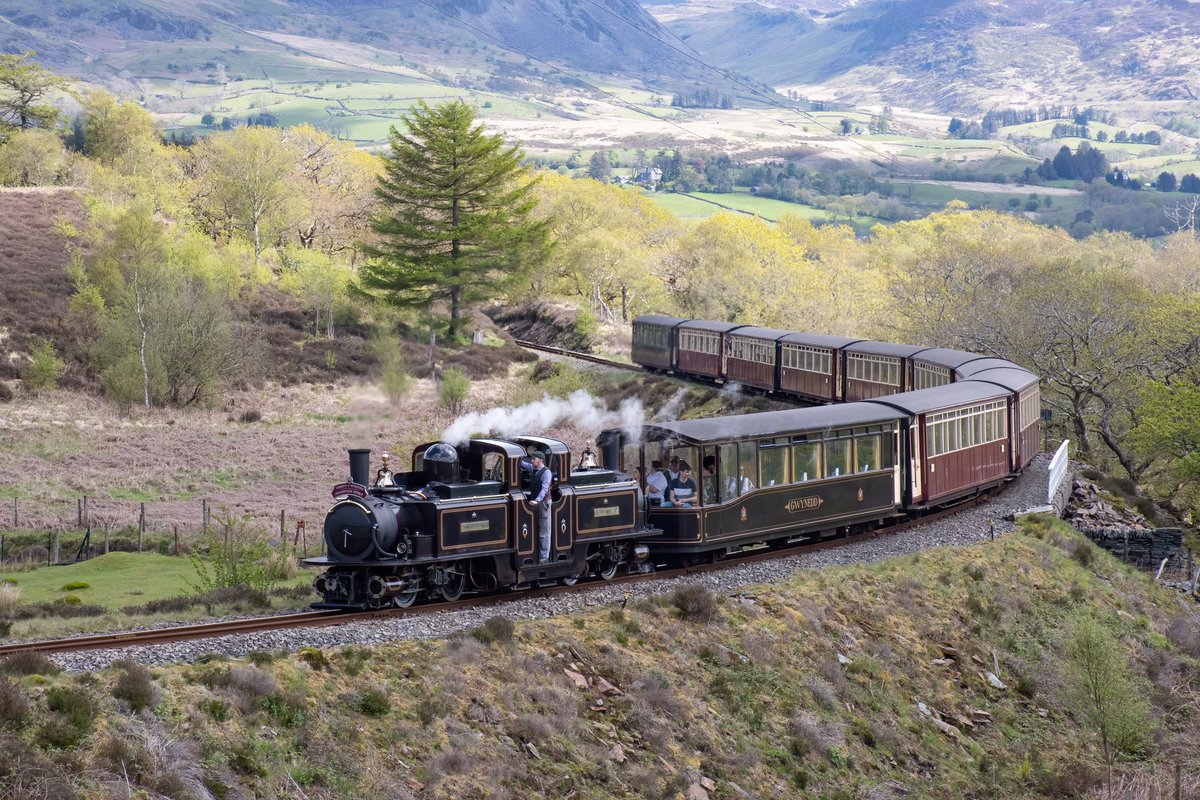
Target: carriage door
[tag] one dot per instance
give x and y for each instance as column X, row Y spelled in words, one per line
column 914, row 459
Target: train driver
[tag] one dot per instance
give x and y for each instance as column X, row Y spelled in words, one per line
column 541, row 500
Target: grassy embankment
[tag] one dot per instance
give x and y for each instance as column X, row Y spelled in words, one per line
column 818, row 686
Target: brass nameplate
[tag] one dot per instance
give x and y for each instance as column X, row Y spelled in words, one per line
column 804, row 503
column 607, row 511
column 475, row 527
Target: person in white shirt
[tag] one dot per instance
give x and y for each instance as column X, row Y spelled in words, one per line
column 741, row 484
column 656, row 483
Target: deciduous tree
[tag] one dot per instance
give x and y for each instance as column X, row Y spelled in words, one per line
column 24, row 88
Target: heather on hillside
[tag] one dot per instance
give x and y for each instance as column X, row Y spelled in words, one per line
column 946, row 674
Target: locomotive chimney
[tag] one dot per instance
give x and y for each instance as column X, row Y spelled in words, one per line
column 360, row 467
column 610, row 449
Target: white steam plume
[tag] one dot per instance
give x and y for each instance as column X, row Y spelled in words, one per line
column 583, row 411
column 672, row 407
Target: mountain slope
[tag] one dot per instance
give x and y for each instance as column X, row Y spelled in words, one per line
column 157, row 37
column 957, row 54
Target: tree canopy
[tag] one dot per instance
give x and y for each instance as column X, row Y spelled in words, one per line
column 456, row 222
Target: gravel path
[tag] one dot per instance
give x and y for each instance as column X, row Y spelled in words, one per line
column 966, row 527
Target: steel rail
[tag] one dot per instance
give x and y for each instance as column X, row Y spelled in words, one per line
column 558, row 351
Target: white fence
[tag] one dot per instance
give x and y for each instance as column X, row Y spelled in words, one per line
column 1058, row 471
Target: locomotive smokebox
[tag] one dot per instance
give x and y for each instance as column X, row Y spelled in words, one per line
column 360, row 467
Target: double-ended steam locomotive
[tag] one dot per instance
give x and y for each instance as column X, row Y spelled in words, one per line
column 459, row 521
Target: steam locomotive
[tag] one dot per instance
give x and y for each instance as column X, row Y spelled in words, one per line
column 459, row 521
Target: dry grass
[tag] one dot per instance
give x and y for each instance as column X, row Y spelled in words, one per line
column 10, row 597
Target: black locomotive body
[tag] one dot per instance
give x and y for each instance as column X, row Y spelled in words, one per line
column 460, row 521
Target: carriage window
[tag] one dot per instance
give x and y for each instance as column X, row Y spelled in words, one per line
column 868, row 451
column 807, row 456
column 686, row 454
column 837, row 457
column 773, row 462
column 707, row 477
column 744, row 475
column 726, row 468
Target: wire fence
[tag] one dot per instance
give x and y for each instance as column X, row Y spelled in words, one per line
column 66, row 531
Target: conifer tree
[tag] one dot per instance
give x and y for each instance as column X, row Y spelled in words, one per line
column 456, row 223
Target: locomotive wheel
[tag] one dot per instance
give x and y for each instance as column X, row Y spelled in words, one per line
column 574, row 579
column 607, row 570
column 406, row 599
column 453, row 589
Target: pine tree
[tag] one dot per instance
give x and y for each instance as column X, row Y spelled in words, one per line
column 457, row 220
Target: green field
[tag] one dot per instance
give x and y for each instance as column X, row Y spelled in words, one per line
column 701, row 205
column 115, row 580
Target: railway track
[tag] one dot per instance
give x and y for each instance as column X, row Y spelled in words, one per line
column 180, row 633
column 558, row 351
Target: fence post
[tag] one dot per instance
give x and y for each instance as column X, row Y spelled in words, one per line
column 176, row 527
column 204, row 514
column 87, row 518
column 57, row 544
column 79, row 511
column 992, row 528
column 49, row 548
column 1, row 548
column 16, row 517
column 282, row 529
column 106, row 538
column 141, row 526
column 1178, row 782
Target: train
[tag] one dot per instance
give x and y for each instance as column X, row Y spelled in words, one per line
column 888, row 432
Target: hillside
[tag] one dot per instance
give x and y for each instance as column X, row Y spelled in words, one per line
column 311, row 38
column 956, row 55
column 857, row 682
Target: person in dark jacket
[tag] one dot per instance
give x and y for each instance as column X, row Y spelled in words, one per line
column 541, row 500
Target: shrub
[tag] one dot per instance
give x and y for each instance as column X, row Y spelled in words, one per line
column 28, row 664
column 6, row 394
column 314, row 657
column 217, row 710
column 372, row 702
column 236, row 553
column 44, row 367
column 75, row 586
column 136, row 686
column 393, row 377
column 1084, row 552
column 454, row 389
column 695, row 603
column 251, row 415
column 430, row 708
column 252, row 682
column 495, row 629
column 287, row 707
column 15, row 708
